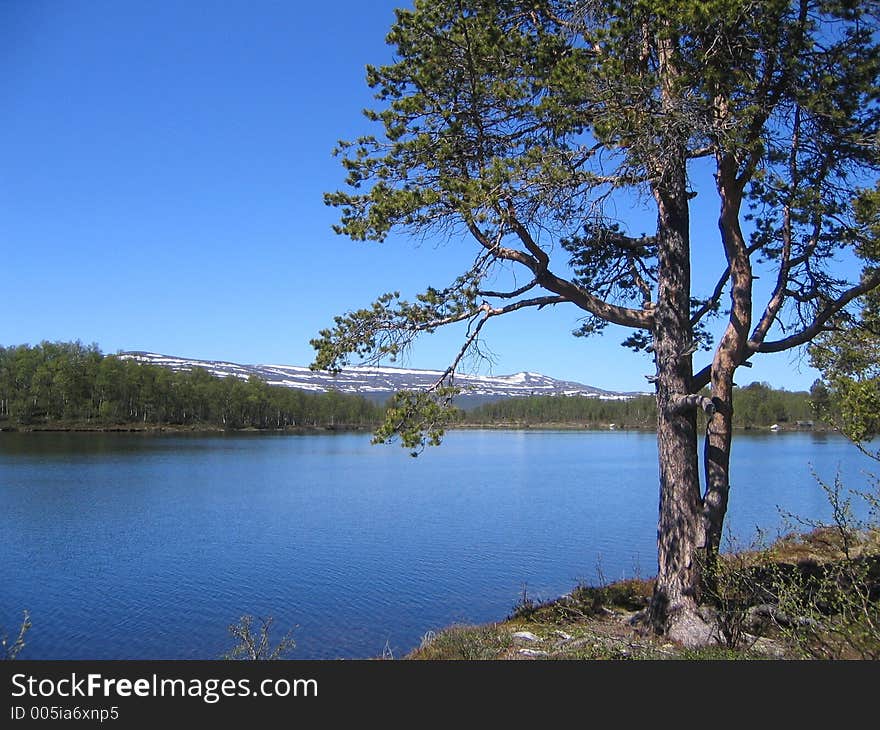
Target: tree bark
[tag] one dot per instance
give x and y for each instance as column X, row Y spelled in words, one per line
column 729, row 354
column 673, row 609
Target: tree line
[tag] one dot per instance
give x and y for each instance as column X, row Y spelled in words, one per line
column 71, row 383
column 756, row 405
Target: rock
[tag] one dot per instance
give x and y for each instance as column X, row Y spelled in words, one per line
column 769, row 648
column 562, row 635
column 690, row 630
column 533, row 652
column 525, row 636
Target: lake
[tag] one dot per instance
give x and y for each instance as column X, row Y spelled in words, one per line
column 125, row 546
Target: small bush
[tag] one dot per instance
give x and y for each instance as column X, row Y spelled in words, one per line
column 525, row 606
column 258, row 647
column 830, row 609
column 736, row 584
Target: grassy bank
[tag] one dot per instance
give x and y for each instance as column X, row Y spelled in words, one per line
column 814, row 595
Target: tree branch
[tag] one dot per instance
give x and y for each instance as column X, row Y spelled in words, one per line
column 522, row 232
column 710, row 303
column 509, row 295
column 624, row 316
column 778, row 297
column 499, row 251
column 701, row 379
column 539, row 302
column 487, row 313
column 682, row 403
column 706, row 151
column 628, row 243
column 818, row 325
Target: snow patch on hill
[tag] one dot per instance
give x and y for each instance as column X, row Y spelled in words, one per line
column 377, row 380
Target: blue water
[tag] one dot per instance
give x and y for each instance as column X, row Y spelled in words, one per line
column 126, row 546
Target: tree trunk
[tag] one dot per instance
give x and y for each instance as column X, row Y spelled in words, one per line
column 729, row 354
column 717, row 465
column 673, row 608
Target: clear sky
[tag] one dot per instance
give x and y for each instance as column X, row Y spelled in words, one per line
column 162, row 166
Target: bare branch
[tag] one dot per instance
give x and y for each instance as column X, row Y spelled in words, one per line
column 498, row 251
column 450, row 371
column 522, row 232
column 640, row 282
column 778, row 296
column 487, row 313
column 701, row 379
column 682, row 403
column 628, row 243
column 539, row 302
column 713, row 300
column 821, row 320
column 624, row 316
column 706, row 151
column 509, row 295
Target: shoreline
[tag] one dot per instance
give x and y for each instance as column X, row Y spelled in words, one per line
column 171, row 429
column 302, row 430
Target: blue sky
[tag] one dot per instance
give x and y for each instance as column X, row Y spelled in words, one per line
column 162, row 166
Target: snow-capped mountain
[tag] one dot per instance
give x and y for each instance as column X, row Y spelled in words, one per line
column 382, row 381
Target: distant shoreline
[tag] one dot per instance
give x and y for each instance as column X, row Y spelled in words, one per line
column 166, row 428
column 305, row 430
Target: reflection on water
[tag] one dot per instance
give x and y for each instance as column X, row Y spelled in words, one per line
column 128, row 545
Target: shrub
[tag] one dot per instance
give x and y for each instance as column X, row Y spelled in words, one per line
column 258, row 647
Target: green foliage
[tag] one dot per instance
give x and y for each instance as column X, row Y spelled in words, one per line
column 755, row 405
column 258, row 647
column 848, row 354
column 390, row 324
column 455, row 116
column 584, row 602
column 57, row 382
column 759, row 405
column 629, row 595
column 418, row 418
column 635, row 412
column 525, row 605
column 732, row 587
column 830, row 609
column 816, row 590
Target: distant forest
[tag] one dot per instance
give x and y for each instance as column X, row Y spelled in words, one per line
column 69, row 383
column 756, row 405
column 58, row 384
